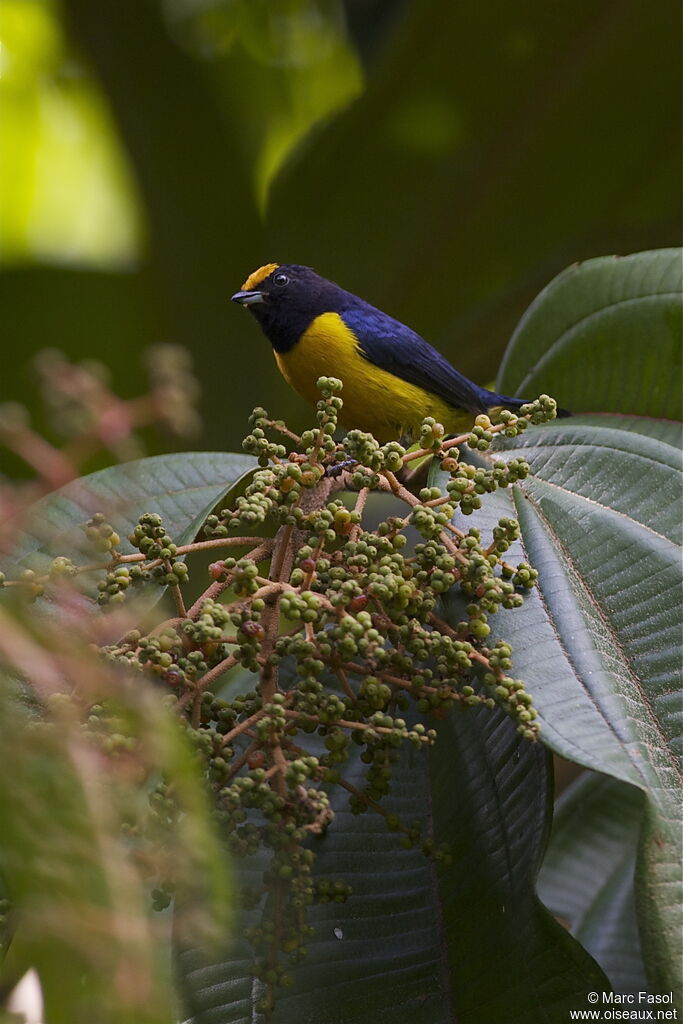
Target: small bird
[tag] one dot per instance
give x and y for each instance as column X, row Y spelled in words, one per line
column 392, row 377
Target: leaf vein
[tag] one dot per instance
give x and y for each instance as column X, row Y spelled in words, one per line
column 567, row 333
column 645, row 702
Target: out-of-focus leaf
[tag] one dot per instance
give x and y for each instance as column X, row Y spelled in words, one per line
column 79, row 895
column 605, row 335
column 66, row 190
column 598, row 642
column 181, row 488
column 291, row 64
column 587, row 876
column 407, row 931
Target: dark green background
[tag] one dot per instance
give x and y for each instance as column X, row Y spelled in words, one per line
column 493, row 145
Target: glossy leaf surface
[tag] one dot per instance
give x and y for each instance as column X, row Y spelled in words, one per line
column 605, row 335
column 181, row 488
column 588, row 873
column 598, row 642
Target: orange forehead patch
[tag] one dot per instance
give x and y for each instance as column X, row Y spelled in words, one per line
column 259, row 275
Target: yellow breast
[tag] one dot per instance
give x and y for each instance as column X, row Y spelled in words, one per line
column 374, row 400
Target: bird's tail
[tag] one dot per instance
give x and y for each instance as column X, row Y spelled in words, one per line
column 506, row 402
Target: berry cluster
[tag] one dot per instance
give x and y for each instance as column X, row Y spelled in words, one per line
column 343, row 630
column 101, row 535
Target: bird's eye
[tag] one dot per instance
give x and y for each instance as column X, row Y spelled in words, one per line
column 280, row 280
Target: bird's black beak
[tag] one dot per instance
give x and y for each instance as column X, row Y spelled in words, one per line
column 248, row 298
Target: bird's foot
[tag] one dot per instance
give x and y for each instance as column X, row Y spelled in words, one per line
column 340, row 467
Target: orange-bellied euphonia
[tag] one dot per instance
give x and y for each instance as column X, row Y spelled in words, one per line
column 392, row 377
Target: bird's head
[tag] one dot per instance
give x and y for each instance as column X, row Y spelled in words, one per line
column 286, row 298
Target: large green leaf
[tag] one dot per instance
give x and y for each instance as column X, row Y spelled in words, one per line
column 605, row 335
column 599, row 641
column 182, row 488
column 587, row 874
column 489, row 788
column 415, row 937
column 669, row 431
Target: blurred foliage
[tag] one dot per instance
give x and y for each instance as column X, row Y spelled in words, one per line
column 82, row 846
column 486, row 147
column 295, row 57
column 88, row 424
column 67, row 193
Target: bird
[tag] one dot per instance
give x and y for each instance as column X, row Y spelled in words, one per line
column 392, row 377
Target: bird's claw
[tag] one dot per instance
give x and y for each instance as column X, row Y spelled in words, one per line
column 340, row 467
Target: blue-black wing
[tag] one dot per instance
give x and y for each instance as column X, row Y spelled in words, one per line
column 394, row 347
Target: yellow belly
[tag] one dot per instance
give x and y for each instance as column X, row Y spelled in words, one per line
column 374, row 400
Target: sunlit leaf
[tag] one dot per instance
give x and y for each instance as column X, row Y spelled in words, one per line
column 66, row 190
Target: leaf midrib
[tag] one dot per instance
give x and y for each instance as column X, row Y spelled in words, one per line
column 662, row 788
column 607, row 509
